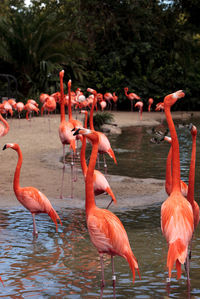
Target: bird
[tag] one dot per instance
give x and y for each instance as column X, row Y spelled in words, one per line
column 50, row 106
column 168, row 176
column 5, row 127
column 131, row 96
column 106, row 231
column 30, row 107
column 115, row 99
column 31, row 198
column 104, row 144
column 177, row 221
column 19, row 106
column 150, row 102
column 190, row 194
column 100, row 183
column 139, row 104
column 66, row 135
column 108, row 97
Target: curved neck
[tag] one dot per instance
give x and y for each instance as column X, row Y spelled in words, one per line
column 62, row 104
column 191, row 183
column 168, row 176
column 91, row 113
column 5, row 123
column 16, row 185
column 90, row 199
column 69, row 103
column 82, row 156
column 83, row 149
column 175, row 151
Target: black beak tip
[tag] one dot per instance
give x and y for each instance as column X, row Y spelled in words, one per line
column 4, row 147
column 76, row 132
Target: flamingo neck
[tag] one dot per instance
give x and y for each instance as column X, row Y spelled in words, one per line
column 91, row 113
column 16, row 185
column 168, row 176
column 191, row 183
column 90, row 199
column 5, row 123
column 69, row 103
column 175, row 152
column 62, row 104
column 82, row 156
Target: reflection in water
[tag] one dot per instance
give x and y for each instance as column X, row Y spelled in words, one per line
column 66, row 265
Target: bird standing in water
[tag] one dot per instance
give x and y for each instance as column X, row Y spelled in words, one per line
column 106, row 231
column 177, row 221
column 31, row 198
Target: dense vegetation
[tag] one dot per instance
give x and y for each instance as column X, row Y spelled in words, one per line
column 151, row 46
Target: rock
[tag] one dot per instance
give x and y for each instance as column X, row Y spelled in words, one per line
column 111, row 129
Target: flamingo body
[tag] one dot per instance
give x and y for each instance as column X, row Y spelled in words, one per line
column 3, row 128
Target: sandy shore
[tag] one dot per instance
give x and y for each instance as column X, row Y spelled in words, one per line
column 41, row 168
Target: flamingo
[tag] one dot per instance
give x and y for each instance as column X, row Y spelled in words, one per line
column 32, row 102
column 65, row 134
column 115, row 99
column 131, row 96
column 106, row 231
column 168, row 176
column 3, row 128
column 150, row 102
column 190, row 195
column 177, row 222
column 108, row 97
column 104, row 144
column 19, row 107
column 29, row 107
column 6, row 107
column 139, row 104
column 31, row 198
column 100, row 183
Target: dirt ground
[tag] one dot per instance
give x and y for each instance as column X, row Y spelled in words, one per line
column 42, row 167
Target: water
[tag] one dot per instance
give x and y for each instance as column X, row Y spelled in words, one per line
column 66, row 265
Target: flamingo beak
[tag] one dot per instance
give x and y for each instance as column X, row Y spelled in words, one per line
column 5, row 147
column 76, row 132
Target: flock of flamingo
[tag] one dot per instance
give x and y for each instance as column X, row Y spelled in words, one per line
column 179, row 212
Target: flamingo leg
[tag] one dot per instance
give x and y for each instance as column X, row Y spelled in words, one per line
column 72, row 174
column 49, row 123
column 113, row 275
column 131, row 105
column 35, row 233
column 102, row 271
column 187, row 268
column 62, row 180
column 105, row 165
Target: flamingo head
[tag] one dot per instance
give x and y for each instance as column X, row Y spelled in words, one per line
column 90, row 134
column 126, row 89
column 171, row 99
column 92, row 91
column 193, row 129
column 69, row 83
column 14, row 146
column 62, row 74
column 168, row 139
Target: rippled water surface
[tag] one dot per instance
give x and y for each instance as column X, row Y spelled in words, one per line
column 66, row 265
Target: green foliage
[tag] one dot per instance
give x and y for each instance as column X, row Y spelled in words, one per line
column 151, row 46
column 101, row 118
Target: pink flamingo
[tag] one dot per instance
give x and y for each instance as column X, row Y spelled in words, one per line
column 65, row 134
column 115, row 99
column 139, row 104
column 3, row 128
column 19, row 107
column 106, row 231
column 131, row 96
column 150, row 102
column 177, row 222
column 104, row 144
column 31, row 198
column 50, row 106
column 29, row 107
column 100, row 183
column 108, row 97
